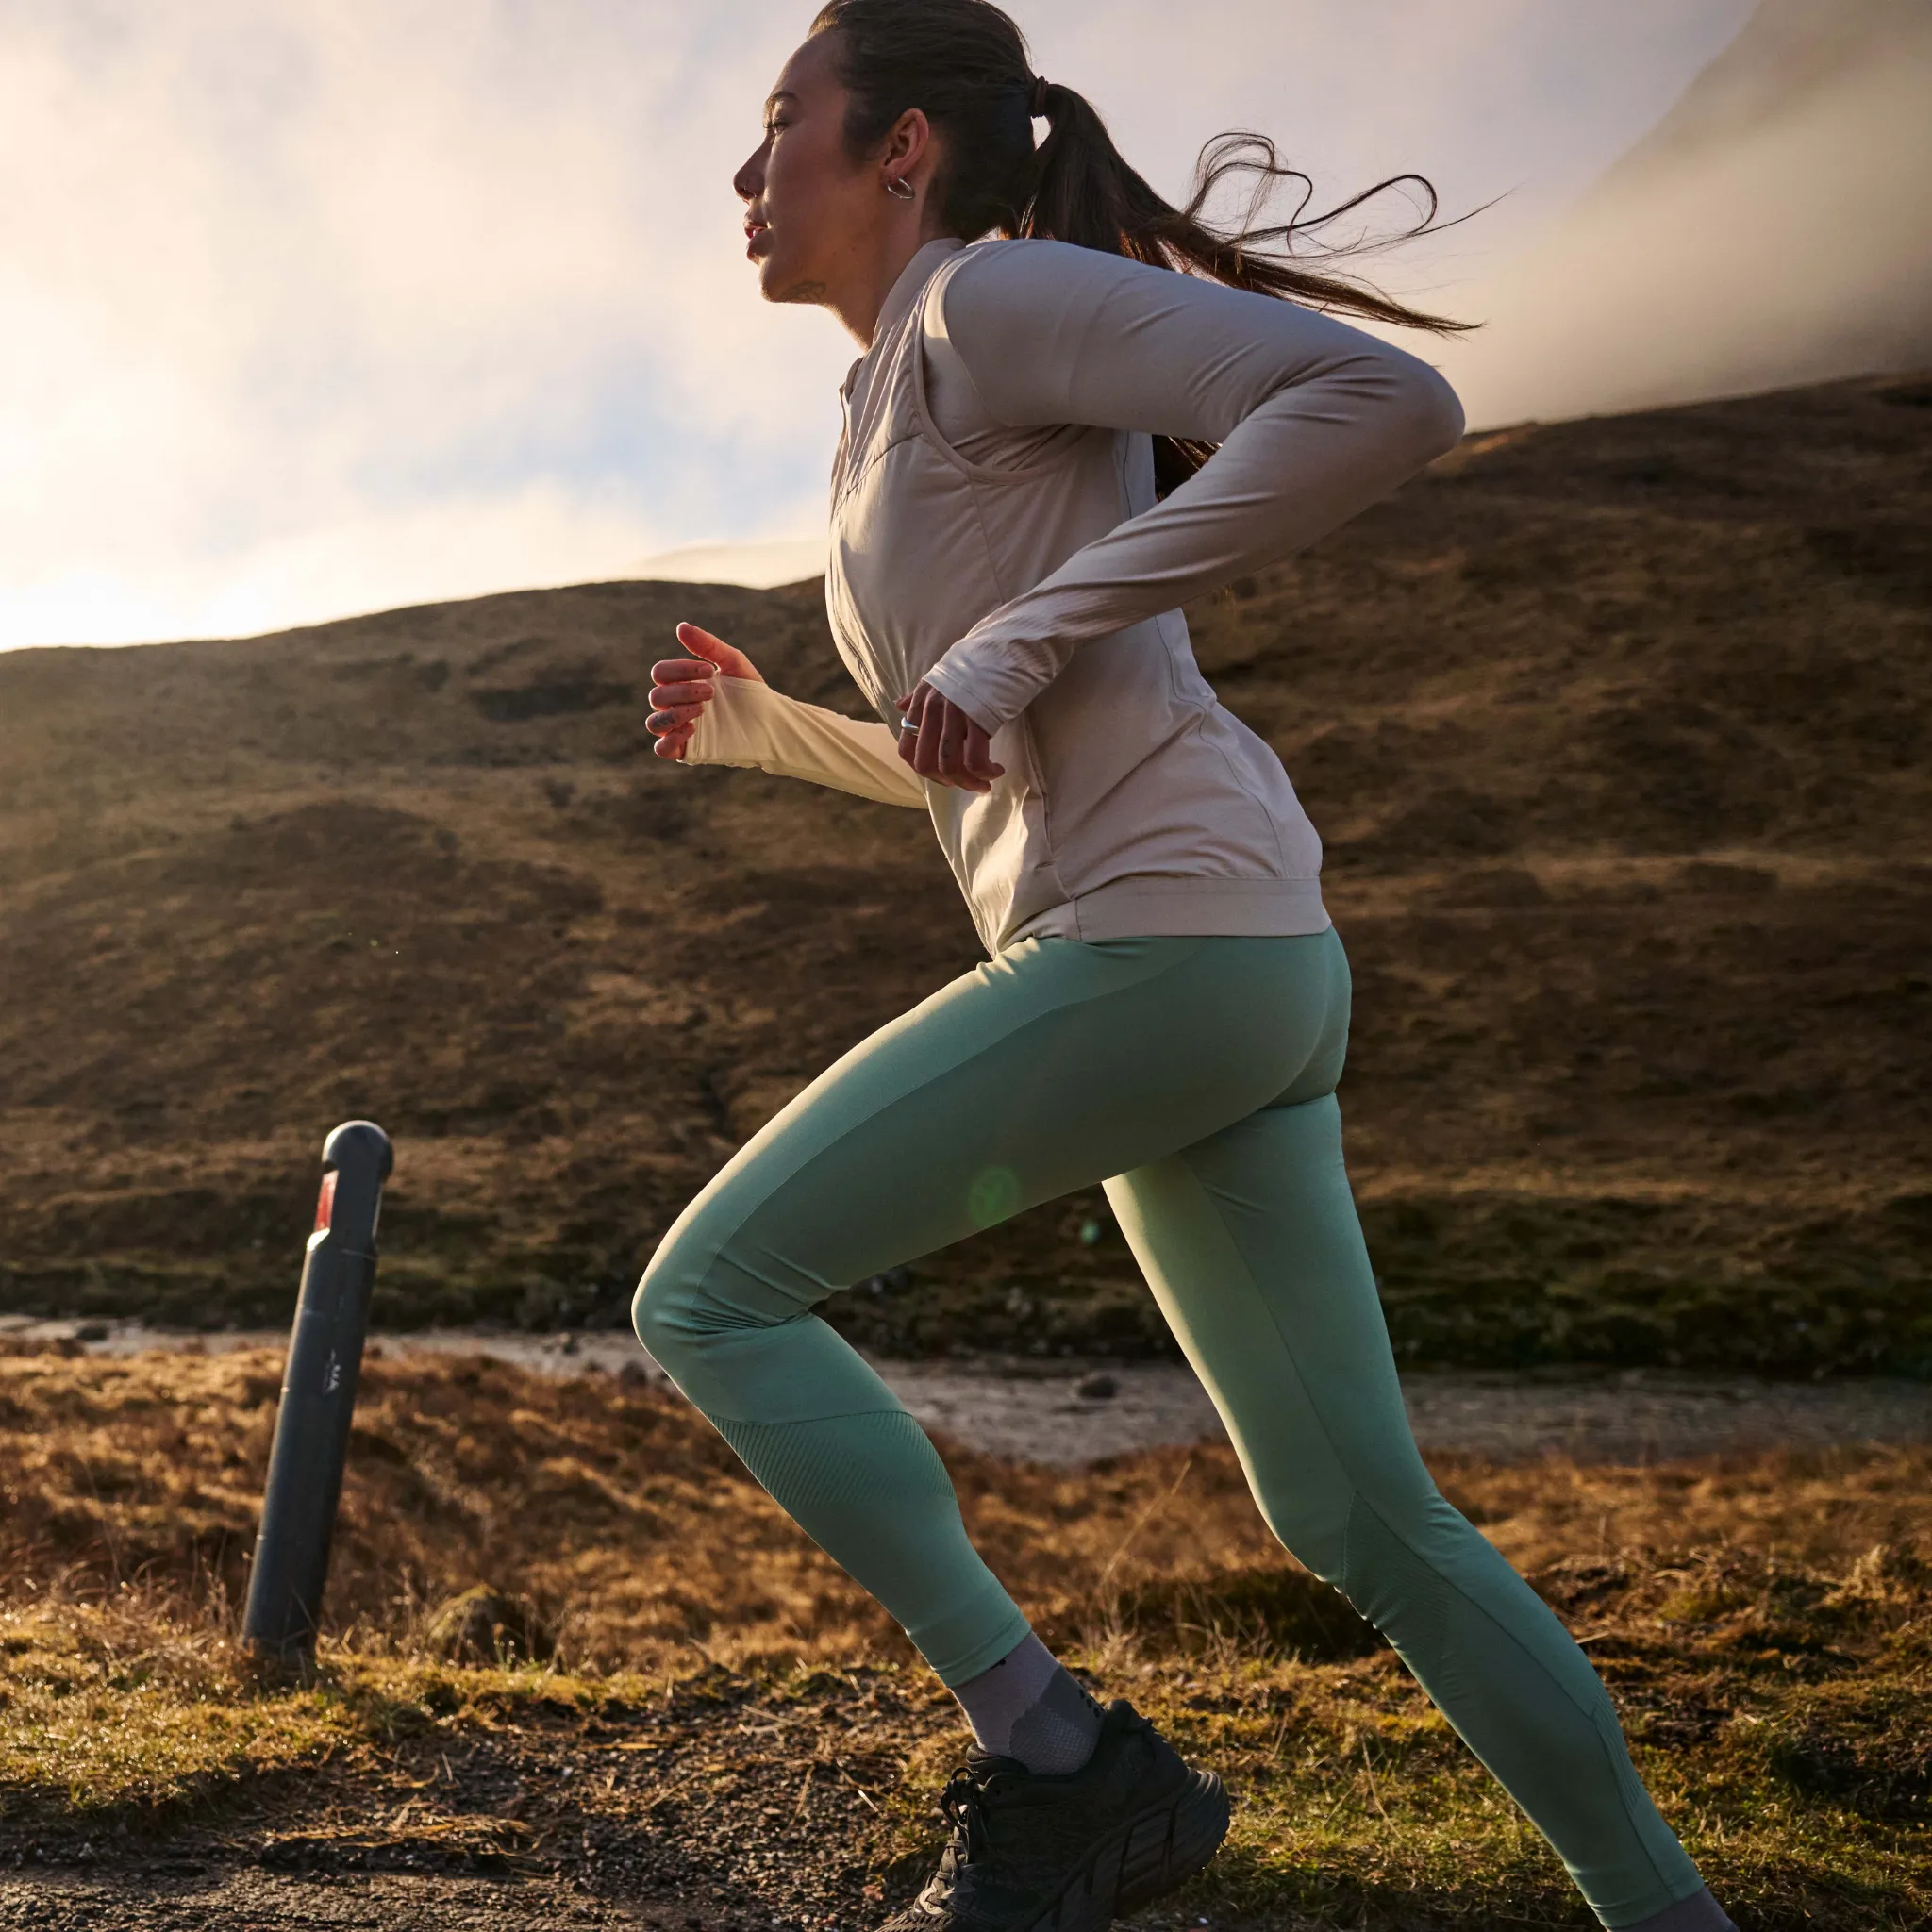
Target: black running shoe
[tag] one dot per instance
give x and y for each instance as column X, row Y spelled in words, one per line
column 1036, row 1854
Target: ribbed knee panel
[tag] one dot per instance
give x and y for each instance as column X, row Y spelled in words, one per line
column 872, row 1491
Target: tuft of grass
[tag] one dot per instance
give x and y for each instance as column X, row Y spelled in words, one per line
column 140, row 1707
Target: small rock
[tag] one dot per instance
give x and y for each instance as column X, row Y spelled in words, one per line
column 1100, row 1388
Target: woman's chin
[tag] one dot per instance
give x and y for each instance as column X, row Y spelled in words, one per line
column 780, row 281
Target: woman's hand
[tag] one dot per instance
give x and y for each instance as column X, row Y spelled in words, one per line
column 682, row 687
column 946, row 745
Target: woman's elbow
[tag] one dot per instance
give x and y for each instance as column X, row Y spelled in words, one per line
column 1434, row 407
column 1407, row 406
column 1420, row 409
column 1420, row 416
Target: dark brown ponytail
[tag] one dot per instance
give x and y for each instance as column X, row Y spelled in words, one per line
column 964, row 64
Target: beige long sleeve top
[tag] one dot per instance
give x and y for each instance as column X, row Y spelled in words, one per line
column 996, row 533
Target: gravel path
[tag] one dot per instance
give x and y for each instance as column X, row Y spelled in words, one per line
column 159, row 1896
column 1067, row 1413
column 246, row 1899
column 1633, row 1417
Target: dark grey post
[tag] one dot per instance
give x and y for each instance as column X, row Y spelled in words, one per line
column 305, row 1467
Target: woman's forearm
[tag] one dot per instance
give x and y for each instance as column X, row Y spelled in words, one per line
column 750, row 724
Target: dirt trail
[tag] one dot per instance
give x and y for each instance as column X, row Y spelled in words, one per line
column 164, row 1897
column 155, row 1900
column 147, row 1899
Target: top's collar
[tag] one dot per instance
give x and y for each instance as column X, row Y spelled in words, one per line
column 901, row 295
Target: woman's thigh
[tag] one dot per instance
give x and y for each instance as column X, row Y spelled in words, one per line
column 1250, row 1243
column 1050, row 1067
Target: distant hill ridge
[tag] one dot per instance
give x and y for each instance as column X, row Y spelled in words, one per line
column 1617, row 731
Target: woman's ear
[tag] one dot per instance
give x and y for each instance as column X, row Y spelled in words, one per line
column 907, row 145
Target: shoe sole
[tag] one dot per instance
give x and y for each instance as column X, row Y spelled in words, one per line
column 1150, row 1856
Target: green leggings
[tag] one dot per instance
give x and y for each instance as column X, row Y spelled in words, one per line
column 1195, row 1077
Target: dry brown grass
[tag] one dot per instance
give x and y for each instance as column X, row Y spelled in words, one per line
column 719, row 1691
column 641, row 1542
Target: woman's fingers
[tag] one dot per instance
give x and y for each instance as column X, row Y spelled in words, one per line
column 978, row 760
column 913, row 708
column 948, row 747
column 682, row 683
column 674, row 708
column 680, row 689
column 925, row 746
column 666, row 697
column 951, row 741
column 681, row 669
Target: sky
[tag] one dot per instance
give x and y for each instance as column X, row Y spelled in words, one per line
column 316, row 306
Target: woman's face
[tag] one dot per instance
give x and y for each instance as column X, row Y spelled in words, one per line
column 811, row 214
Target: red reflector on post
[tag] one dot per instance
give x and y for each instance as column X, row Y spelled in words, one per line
column 326, row 1202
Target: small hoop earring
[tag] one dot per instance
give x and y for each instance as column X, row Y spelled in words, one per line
column 900, row 189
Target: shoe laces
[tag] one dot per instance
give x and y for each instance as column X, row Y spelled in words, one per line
column 962, row 1804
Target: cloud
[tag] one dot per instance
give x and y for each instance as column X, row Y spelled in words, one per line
column 1776, row 229
column 308, row 306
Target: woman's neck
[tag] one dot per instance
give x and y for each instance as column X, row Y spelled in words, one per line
column 860, row 297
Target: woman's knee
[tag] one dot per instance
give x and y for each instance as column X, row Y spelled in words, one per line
column 1315, row 1536
column 683, row 1300
column 1370, row 1547
column 659, row 1313
column 657, row 1317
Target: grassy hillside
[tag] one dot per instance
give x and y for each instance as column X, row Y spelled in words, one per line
column 1618, row 731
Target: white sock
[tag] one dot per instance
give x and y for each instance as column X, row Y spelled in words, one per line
column 1028, row 1706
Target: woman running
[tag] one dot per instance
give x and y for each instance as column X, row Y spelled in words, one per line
column 1165, row 1004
